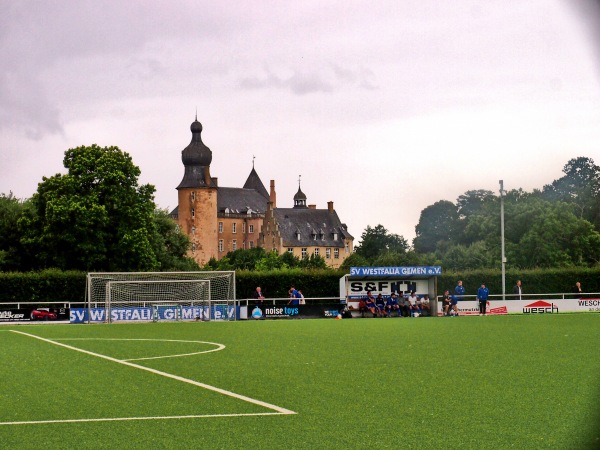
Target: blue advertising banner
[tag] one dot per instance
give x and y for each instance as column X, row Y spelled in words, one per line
column 404, row 271
column 146, row 314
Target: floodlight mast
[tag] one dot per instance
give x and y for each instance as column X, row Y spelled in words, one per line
column 502, row 192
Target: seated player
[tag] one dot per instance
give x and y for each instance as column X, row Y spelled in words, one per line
column 446, row 301
column 380, row 303
column 426, row 305
column 392, row 305
column 370, row 304
column 362, row 307
column 412, row 304
column 419, row 305
column 404, row 305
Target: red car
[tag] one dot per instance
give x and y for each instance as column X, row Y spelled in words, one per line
column 43, row 314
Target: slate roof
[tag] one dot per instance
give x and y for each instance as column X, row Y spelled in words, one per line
column 254, row 182
column 310, row 222
column 238, row 200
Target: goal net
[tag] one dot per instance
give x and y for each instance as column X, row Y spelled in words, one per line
column 146, row 296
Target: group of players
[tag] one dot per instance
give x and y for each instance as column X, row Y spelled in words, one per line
column 398, row 305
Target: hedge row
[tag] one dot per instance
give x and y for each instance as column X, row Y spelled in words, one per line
column 58, row 286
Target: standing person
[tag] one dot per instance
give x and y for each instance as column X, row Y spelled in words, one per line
column 482, row 295
column 301, row 297
column 518, row 291
column 577, row 290
column 259, row 296
column 446, row 302
column 459, row 292
column 294, row 296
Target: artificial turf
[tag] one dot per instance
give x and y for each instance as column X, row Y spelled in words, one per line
column 521, row 381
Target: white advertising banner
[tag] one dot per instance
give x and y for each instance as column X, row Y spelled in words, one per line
column 546, row 306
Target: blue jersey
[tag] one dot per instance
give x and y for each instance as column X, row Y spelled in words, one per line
column 459, row 291
column 482, row 293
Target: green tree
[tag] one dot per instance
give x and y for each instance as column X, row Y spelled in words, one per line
column 13, row 256
column 243, row 259
column 313, row 262
column 170, row 244
column 579, row 186
column 375, row 241
column 354, row 260
column 270, row 261
column 438, row 223
column 94, row 217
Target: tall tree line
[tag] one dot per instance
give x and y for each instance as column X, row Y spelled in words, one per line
column 555, row 226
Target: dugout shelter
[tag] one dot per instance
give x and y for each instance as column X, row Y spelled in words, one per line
column 385, row 280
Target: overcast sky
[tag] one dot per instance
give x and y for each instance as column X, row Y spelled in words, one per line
column 383, row 107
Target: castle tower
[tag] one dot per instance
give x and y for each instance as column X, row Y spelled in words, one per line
column 197, row 198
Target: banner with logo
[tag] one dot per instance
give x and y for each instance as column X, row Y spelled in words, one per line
column 34, row 314
column 547, row 306
column 295, row 311
column 147, row 314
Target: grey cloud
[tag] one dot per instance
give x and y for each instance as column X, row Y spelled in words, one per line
column 304, row 82
column 299, row 83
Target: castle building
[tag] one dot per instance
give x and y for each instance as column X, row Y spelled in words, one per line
column 223, row 219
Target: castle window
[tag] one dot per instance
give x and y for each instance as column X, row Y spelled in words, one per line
column 328, row 253
column 298, row 235
column 304, row 253
column 220, row 227
column 234, row 227
column 335, row 236
column 347, row 248
column 250, row 228
column 234, row 245
column 193, row 247
column 336, row 253
column 243, row 246
column 193, row 230
column 251, row 244
column 244, row 227
column 193, row 195
column 193, row 213
column 290, row 250
column 316, row 251
column 220, row 245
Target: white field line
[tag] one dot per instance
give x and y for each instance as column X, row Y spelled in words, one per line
column 244, row 398
column 218, row 348
column 123, row 419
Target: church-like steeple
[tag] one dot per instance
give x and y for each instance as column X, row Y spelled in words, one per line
column 196, row 158
column 299, row 198
column 254, row 182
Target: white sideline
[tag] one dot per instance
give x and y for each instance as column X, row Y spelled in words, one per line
column 124, row 419
column 276, row 408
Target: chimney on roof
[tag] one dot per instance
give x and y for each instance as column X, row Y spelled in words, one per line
column 312, row 206
column 272, row 195
column 330, row 207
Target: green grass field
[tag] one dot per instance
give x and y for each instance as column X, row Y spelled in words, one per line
column 469, row 382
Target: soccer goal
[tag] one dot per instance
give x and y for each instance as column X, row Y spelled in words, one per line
column 159, row 296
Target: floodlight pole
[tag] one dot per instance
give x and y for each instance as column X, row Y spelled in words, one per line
column 502, row 192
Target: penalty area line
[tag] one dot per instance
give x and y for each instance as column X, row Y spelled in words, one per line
column 276, row 408
column 124, row 419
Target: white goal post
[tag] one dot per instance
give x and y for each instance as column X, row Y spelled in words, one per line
column 145, row 296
